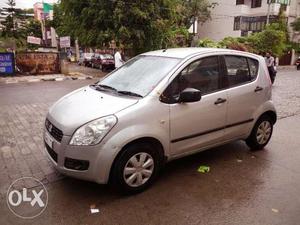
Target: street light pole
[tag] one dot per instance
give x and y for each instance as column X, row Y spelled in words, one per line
column 268, row 13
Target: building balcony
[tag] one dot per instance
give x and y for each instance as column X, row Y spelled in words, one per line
column 246, row 10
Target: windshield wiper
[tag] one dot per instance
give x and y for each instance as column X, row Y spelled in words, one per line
column 130, row 93
column 100, row 87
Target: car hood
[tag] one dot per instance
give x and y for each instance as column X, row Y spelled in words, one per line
column 84, row 105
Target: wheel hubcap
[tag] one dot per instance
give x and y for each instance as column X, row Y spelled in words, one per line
column 263, row 132
column 138, row 169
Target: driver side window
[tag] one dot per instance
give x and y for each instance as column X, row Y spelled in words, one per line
column 202, row 74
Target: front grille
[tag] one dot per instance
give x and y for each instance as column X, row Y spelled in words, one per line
column 52, row 153
column 54, row 131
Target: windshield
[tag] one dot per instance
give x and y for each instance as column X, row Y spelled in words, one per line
column 140, row 75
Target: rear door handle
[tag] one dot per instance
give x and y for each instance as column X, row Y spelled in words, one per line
column 220, row 101
column 258, row 88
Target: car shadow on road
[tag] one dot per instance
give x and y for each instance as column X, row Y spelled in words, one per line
column 220, row 159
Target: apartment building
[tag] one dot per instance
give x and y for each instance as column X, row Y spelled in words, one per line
column 241, row 17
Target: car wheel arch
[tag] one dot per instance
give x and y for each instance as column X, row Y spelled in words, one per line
column 270, row 114
column 150, row 140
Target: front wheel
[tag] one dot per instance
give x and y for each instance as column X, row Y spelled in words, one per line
column 261, row 133
column 136, row 168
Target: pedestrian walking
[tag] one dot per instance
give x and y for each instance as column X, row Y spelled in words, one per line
column 270, row 61
column 118, row 58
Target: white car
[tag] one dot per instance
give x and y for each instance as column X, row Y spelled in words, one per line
column 157, row 107
column 85, row 59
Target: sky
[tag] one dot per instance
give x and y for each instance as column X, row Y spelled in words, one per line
column 25, row 3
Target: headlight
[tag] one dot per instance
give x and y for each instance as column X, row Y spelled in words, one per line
column 93, row 132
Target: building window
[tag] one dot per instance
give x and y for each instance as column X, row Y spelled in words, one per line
column 237, row 23
column 255, row 24
column 255, row 3
column 240, row 2
column 244, row 33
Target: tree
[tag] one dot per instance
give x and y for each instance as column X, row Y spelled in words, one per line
column 140, row 25
column 190, row 10
column 13, row 20
column 12, row 34
column 269, row 40
column 272, row 39
column 32, row 27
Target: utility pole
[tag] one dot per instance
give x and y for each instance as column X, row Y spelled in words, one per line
column 268, row 13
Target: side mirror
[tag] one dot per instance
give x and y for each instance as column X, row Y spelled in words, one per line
column 190, row 95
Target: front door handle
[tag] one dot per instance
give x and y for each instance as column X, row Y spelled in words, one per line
column 258, row 88
column 220, row 101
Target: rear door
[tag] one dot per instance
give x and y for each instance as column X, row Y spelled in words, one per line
column 244, row 94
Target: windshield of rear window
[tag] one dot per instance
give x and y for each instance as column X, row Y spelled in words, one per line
column 141, row 74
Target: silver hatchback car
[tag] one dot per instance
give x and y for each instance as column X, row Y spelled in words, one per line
column 159, row 106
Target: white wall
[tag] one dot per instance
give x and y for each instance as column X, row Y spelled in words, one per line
column 221, row 24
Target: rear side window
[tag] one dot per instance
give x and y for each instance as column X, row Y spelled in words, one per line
column 237, row 70
column 253, row 66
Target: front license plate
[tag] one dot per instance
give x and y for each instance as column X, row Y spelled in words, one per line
column 48, row 139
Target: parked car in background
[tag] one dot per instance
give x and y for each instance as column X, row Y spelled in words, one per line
column 85, row 59
column 160, row 106
column 103, row 61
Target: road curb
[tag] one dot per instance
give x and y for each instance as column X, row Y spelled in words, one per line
column 40, row 79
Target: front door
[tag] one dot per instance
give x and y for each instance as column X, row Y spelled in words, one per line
column 198, row 124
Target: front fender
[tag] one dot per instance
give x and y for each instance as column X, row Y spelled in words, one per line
column 113, row 144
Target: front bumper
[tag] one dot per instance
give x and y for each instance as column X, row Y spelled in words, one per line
column 84, row 160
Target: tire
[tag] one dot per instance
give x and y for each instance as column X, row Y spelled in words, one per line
column 140, row 178
column 261, row 133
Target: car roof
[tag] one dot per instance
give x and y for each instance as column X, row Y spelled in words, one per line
column 188, row 52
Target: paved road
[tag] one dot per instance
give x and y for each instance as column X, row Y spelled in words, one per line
column 242, row 187
column 286, row 93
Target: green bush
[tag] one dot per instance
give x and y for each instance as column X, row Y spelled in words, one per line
column 208, row 43
column 272, row 39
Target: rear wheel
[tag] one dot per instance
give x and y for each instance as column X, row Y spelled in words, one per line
column 136, row 168
column 261, row 133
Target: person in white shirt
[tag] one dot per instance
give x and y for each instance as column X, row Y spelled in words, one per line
column 270, row 61
column 118, row 59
